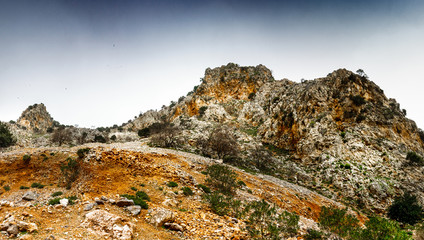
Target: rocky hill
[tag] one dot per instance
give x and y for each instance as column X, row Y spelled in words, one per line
column 36, row 118
column 339, row 135
column 331, row 142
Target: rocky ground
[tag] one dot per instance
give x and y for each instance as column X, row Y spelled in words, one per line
column 110, row 170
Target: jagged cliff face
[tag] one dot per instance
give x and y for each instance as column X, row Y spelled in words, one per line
column 36, row 118
column 222, row 86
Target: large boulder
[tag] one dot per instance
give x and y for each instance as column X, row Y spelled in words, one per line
column 160, row 215
column 105, row 224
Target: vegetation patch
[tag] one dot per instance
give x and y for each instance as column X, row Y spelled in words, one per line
column 37, row 185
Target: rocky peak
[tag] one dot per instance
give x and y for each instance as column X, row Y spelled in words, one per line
column 233, row 82
column 36, row 118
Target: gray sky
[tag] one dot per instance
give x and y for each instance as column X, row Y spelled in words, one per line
column 99, row 63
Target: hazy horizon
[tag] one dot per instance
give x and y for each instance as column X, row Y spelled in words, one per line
column 100, row 63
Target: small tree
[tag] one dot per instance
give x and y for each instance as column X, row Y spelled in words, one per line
column 223, row 143
column 61, row 135
column 222, row 178
column 70, row 171
column 265, row 222
column 262, row 158
column 406, row 209
column 166, row 137
column 6, row 137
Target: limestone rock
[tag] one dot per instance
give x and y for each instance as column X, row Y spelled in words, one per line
column 134, row 210
column 174, row 227
column 105, row 224
column 29, row 196
column 123, row 202
column 89, row 206
column 64, row 202
column 160, row 215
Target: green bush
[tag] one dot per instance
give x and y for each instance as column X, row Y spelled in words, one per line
column 314, row 235
column 204, row 188
column 381, row 229
column 265, row 222
column 139, row 199
column 113, row 138
column 222, row 178
column 202, row 110
column 251, row 95
column 413, row 157
column 142, row 195
column 337, row 221
column 406, row 209
column 134, row 188
column 6, row 137
column 187, row 191
column 143, row 133
column 346, row 226
column 54, row 201
column 6, row 188
column 99, row 138
column 26, row 159
column 358, row 100
column 23, row 187
column 220, row 204
column 172, row 184
column 70, row 171
column 71, row 200
column 37, row 185
column 55, row 194
column 82, row 152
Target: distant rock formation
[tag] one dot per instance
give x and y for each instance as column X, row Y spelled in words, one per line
column 36, row 118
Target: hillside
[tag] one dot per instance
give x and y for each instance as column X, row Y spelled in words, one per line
column 331, row 142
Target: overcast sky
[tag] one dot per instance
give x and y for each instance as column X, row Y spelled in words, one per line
column 99, row 63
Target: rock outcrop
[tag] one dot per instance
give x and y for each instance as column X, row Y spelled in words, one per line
column 36, row 118
column 340, row 133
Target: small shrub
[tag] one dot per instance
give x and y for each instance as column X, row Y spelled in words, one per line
column 134, row 188
column 241, row 183
column 343, row 134
column 204, row 188
column 113, row 138
column 23, row 187
column 202, row 110
column 137, row 200
column 406, row 209
column 265, row 222
column 71, row 200
column 219, row 203
column 381, row 228
column 26, row 159
column 54, row 201
column 314, row 235
column 251, row 96
column 82, row 152
column 37, row 185
column 172, row 184
column 70, row 171
column 6, row 188
column 99, row 138
column 6, row 137
column 222, row 178
column 142, row 195
column 143, row 133
column 337, row 221
column 55, row 194
column 413, row 157
column 187, row 191
column 358, row 100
